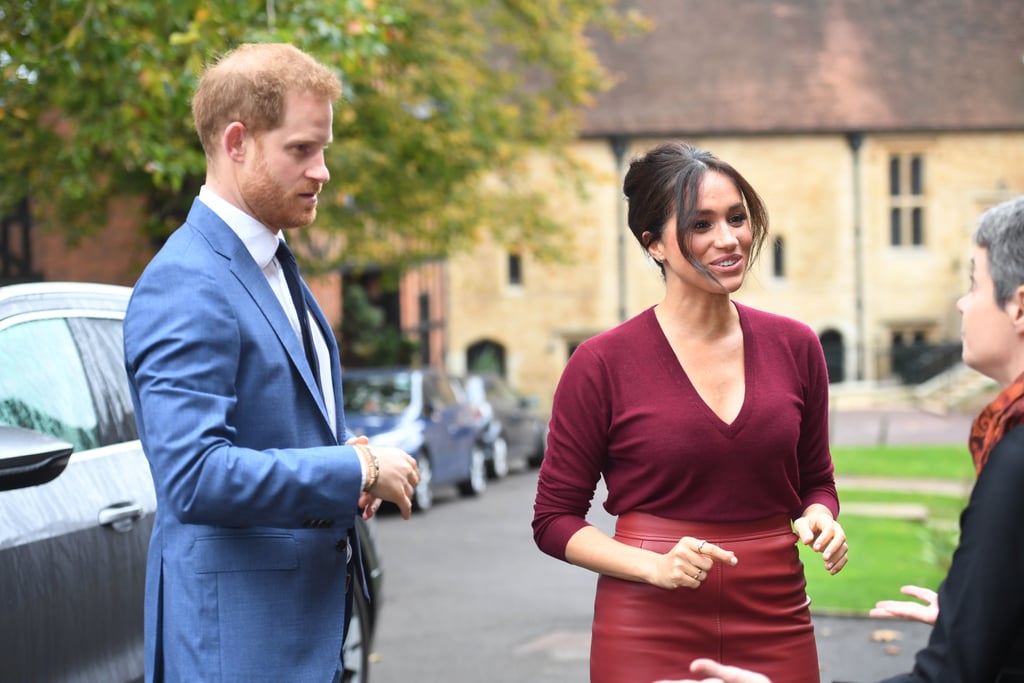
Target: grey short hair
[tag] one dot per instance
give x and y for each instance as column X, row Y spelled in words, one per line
column 1001, row 231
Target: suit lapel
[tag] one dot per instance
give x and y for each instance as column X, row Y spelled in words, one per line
column 240, row 263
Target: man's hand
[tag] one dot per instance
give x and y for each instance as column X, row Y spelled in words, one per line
column 398, row 481
column 397, row 478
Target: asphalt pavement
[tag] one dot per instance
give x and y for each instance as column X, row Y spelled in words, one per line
column 469, row 598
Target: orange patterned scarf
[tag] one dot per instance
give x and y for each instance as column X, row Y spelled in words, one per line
column 995, row 420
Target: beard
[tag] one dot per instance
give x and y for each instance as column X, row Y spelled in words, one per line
column 277, row 207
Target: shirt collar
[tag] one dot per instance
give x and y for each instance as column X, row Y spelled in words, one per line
column 259, row 241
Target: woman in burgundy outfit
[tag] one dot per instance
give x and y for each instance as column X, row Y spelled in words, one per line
column 709, row 422
column 978, row 611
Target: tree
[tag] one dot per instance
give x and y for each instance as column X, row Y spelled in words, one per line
column 444, row 101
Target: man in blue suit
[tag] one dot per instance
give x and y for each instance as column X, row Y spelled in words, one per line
column 239, row 408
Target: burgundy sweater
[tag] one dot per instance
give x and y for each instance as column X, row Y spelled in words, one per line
column 625, row 409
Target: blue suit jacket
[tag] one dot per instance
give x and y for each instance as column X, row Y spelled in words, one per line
column 246, row 578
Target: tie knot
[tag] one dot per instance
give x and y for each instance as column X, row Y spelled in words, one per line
column 284, row 253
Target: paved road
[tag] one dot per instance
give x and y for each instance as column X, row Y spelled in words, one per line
column 470, row 599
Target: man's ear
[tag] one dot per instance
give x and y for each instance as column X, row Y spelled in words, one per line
column 234, row 141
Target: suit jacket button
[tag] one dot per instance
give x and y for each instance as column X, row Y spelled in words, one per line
column 341, row 546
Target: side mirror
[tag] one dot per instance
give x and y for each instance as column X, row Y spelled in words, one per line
column 29, row 458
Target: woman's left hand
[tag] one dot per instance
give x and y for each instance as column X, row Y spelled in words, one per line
column 818, row 529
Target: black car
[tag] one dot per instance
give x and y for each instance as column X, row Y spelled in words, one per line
column 513, row 430
column 76, row 496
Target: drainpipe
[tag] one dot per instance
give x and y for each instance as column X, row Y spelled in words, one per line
column 855, row 139
column 618, row 144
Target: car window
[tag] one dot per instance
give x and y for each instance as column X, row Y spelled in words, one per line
column 43, row 385
column 377, row 394
column 445, row 393
column 101, row 345
column 500, row 392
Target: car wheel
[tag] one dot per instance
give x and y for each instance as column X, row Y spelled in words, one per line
column 477, row 482
column 423, row 495
column 357, row 640
column 497, row 465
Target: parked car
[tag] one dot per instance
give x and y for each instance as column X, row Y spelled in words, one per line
column 76, row 496
column 514, row 431
column 421, row 411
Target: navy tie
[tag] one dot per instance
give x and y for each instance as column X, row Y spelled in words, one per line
column 291, row 276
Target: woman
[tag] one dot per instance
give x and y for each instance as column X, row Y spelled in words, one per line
column 979, row 630
column 709, row 422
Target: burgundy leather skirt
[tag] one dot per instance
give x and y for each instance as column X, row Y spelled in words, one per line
column 755, row 615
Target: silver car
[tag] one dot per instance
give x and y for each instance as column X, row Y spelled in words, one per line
column 76, row 496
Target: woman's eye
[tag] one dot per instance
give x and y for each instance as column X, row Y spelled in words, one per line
column 738, row 219
column 701, row 225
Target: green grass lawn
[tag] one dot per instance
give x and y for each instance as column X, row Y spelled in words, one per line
column 927, row 462
column 888, row 552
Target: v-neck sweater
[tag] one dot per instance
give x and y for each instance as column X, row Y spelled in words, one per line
column 625, row 409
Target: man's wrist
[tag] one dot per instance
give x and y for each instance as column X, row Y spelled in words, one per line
column 371, row 465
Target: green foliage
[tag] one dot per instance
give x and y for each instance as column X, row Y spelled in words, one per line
column 366, row 339
column 445, row 100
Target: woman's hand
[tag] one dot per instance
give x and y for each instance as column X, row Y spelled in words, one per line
column 688, row 563
column 818, row 529
column 905, row 609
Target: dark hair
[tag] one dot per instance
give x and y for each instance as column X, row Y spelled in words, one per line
column 1001, row 231
column 667, row 179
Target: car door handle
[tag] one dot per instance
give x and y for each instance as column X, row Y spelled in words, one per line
column 121, row 517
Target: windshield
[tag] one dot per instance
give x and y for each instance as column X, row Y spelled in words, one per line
column 382, row 394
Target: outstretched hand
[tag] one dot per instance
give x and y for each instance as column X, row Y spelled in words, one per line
column 906, row 609
column 713, row 672
column 818, row 529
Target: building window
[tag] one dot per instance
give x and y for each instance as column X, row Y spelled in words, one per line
column 424, row 327
column 779, row 258
column 515, row 269
column 906, row 200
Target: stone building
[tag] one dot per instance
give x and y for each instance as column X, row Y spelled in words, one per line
column 876, row 132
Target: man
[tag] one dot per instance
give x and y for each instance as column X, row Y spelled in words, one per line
column 253, row 553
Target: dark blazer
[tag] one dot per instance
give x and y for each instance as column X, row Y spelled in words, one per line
column 979, row 635
column 246, row 578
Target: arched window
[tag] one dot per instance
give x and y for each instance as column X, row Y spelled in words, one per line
column 486, row 356
column 832, row 345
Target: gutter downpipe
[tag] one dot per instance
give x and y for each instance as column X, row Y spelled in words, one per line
column 618, row 144
column 855, row 139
